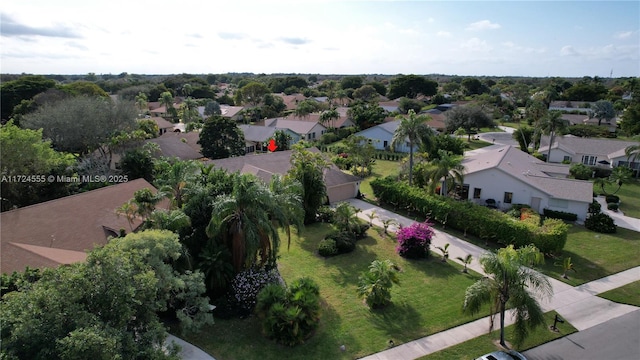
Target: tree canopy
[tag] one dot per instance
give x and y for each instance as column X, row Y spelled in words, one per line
column 411, row 86
column 221, row 138
column 308, row 169
column 107, row 307
column 23, row 88
column 80, row 124
column 467, row 117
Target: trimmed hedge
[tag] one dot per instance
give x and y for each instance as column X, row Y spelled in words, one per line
column 601, row 223
column 562, row 215
column 473, row 219
column 612, row 199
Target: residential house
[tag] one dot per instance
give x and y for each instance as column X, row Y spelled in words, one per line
column 571, row 106
column 290, row 101
column 380, row 136
column 340, row 186
column 304, row 129
column 226, row 111
column 183, row 146
column 504, row 175
column 164, row 126
column 606, row 153
column 256, row 137
column 61, row 231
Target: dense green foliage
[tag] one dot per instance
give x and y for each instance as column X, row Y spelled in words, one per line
column 473, row 219
column 601, row 223
column 221, row 138
column 107, row 307
column 375, row 284
column 289, row 314
column 562, row 215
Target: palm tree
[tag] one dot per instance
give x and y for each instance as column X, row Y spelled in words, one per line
column 329, row 116
column 447, row 167
column 176, row 180
column 413, row 130
column 445, row 251
column 633, row 153
column 466, row 261
column 375, row 285
column 166, row 99
column 567, row 266
column 248, row 221
column 552, row 124
column 344, row 216
column 620, row 175
column 510, row 284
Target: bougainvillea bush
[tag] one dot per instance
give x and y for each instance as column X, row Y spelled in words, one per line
column 414, row 240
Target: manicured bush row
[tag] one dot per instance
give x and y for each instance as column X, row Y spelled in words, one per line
column 473, row 219
column 562, row 215
column 612, row 199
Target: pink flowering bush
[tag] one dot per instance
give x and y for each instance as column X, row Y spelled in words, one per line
column 414, row 241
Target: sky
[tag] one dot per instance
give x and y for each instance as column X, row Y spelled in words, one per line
column 466, row 38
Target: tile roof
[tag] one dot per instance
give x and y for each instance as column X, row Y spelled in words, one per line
column 294, row 123
column 610, row 148
column 184, row 146
column 257, row 133
column 266, row 164
column 61, row 231
column 548, row 178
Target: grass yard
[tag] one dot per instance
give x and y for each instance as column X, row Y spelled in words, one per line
column 381, row 168
column 428, row 300
column 485, row 344
column 596, row 255
column 628, row 294
column 629, row 195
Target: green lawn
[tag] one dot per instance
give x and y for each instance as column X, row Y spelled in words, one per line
column 485, row 344
column 381, row 168
column 596, row 255
column 629, row 195
column 628, row 294
column 428, row 300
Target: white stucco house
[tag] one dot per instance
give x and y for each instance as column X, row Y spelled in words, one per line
column 507, row 175
column 381, row 135
column 606, row 153
column 304, row 130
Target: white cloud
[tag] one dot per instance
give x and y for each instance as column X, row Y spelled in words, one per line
column 511, row 46
column 444, row 34
column 476, row 45
column 483, row 25
column 568, row 50
column 431, row 20
column 623, row 34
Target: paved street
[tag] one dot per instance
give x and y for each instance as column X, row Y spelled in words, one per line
column 616, row 339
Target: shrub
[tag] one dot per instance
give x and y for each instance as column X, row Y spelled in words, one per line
column 360, row 230
column 375, row 285
column 563, row 215
column 594, row 208
column 612, row 199
column 414, row 241
column 612, row 206
column 327, row 247
column 345, row 241
column 601, row 223
column 246, row 285
column 289, row 315
column 580, row 171
column 468, row 217
column 599, row 172
column 325, row 214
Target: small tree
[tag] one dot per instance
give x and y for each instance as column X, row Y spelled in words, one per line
column 445, row 251
column 375, row 284
column 567, row 266
column 372, row 216
column 466, row 261
column 388, row 222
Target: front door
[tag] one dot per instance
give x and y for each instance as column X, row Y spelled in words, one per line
column 535, row 204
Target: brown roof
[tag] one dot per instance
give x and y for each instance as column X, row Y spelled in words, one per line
column 62, row 230
column 266, row 164
column 162, row 123
column 183, row 146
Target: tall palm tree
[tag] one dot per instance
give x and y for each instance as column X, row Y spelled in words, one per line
column 633, row 154
column 166, row 99
column 328, row 117
column 447, row 168
column 176, row 179
column 552, row 124
column 248, row 221
column 415, row 131
column 510, row 284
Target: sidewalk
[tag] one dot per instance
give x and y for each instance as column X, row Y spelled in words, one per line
column 578, row 305
column 188, row 351
column 618, row 217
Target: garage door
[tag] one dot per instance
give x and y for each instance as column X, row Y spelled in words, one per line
column 342, row 192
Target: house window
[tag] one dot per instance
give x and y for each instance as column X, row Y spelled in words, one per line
column 462, row 192
column 385, row 144
column 476, row 193
column 508, row 197
column 559, row 203
column 566, row 159
column 589, row 159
